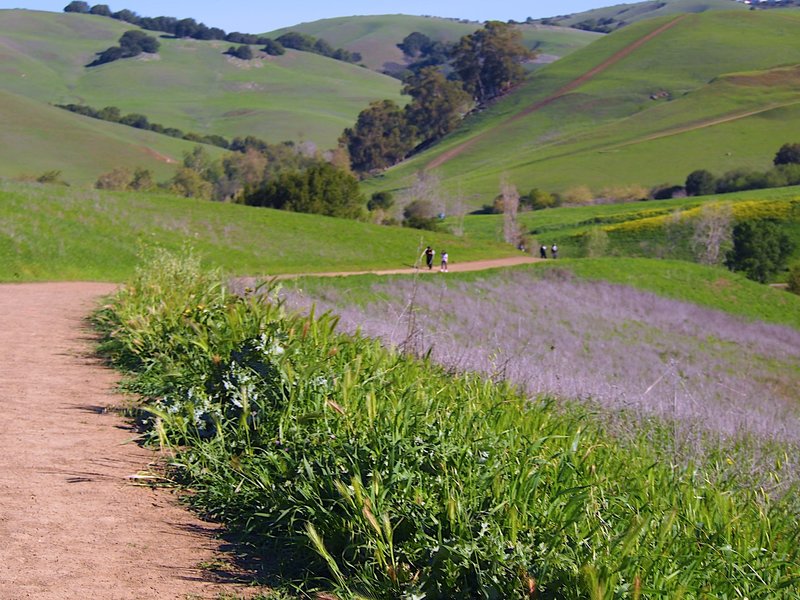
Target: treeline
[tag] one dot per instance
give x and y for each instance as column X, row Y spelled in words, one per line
column 189, row 28
column 445, row 83
column 139, row 121
column 785, row 172
column 282, row 176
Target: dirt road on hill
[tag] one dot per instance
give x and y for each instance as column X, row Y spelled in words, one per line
column 73, row 522
column 575, row 83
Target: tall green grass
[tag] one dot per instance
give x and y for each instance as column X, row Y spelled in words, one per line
column 378, row 475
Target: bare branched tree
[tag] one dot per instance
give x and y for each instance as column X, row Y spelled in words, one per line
column 713, row 233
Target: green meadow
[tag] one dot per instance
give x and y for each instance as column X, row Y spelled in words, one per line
column 727, row 102
column 55, row 233
column 36, row 138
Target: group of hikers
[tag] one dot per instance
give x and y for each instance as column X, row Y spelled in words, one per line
column 429, row 253
column 553, row 251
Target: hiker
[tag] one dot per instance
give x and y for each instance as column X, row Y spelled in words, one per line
column 543, row 251
column 429, row 252
column 554, row 251
column 443, row 268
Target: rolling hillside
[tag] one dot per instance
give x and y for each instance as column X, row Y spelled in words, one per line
column 36, row 137
column 190, row 84
column 376, row 37
column 620, row 15
column 646, row 105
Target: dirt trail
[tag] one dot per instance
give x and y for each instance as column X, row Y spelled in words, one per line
column 575, row 83
column 457, row 267
column 71, row 522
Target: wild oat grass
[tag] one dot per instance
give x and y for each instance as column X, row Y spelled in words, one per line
column 378, row 475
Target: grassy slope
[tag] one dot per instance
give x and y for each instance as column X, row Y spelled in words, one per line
column 633, row 13
column 376, row 37
column 53, row 233
column 36, row 138
column 641, row 228
column 191, row 85
column 600, row 133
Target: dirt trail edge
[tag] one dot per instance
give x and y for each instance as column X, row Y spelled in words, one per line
column 72, row 523
column 575, row 83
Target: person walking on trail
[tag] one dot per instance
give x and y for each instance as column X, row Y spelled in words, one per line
column 554, row 251
column 429, row 253
column 543, row 251
column 445, row 257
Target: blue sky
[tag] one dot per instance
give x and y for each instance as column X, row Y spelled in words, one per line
column 262, row 16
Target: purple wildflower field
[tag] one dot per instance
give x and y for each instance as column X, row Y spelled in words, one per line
column 626, row 350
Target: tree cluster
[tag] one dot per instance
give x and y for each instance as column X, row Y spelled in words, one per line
column 320, row 189
column 424, row 51
column 277, row 176
column 189, row 28
column 131, row 43
column 485, row 64
column 308, row 43
column 760, row 249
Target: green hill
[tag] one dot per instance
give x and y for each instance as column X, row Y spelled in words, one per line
column 190, row 84
column 56, row 233
column 645, row 105
column 376, row 37
column 654, row 229
column 36, row 138
column 620, row 15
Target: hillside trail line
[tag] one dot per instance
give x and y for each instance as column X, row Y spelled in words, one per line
column 575, row 83
column 73, row 523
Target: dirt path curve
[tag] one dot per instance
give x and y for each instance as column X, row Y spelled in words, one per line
column 457, row 267
column 72, row 524
column 575, row 83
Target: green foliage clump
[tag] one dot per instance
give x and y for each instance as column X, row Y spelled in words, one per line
column 700, row 183
column 308, row 43
column 538, row 199
column 788, row 154
column 380, row 138
column 132, row 43
column 243, row 52
column 120, row 179
column 793, row 284
column 760, row 249
column 489, row 61
column 384, row 476
column 320, row 189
